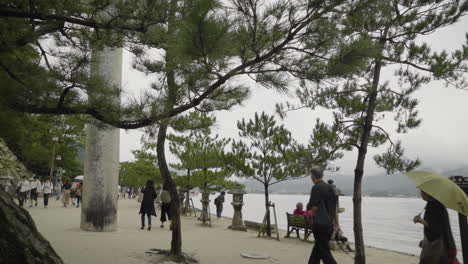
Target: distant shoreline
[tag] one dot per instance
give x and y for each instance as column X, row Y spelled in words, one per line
column 347, row 195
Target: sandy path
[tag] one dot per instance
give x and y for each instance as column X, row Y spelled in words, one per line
column 210, row 245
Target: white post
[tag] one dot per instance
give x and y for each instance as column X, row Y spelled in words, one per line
column 101, row 168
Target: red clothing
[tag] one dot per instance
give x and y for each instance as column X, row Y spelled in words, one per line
column 310, row 216
column 299, row 212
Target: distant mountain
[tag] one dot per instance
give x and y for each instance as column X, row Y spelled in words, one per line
column 381, row 185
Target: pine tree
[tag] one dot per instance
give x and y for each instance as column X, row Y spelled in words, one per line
column 203, row 46
column 266, row 153
column 362, row 100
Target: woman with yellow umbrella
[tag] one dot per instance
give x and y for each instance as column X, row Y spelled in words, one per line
column 438, row 246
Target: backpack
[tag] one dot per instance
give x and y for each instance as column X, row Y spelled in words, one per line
column 216, row 201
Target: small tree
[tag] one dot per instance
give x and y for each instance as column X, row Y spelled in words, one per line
column 266, row 153
column 199, row 151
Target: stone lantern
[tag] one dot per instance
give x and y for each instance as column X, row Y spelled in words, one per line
column 237, row 203
column 5, row 182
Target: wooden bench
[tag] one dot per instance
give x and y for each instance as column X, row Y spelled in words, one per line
column 298, row 222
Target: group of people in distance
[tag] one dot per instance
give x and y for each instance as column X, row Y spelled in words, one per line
column 438, row 245
column 30, row 190
column 147, row 209
column 127, row 192
column 148, row 197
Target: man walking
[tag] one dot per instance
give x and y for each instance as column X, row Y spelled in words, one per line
column 219, row 204
column 322, row 202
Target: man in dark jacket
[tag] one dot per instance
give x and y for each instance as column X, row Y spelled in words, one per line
column 322, row 202
column 219, row 204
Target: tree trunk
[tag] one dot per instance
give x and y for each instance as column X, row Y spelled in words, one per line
column 172, row 91
column 187, row 199
column 176, row 243
column 360, row 257
column 205, row 198
column 267, row 208
column 20, row 242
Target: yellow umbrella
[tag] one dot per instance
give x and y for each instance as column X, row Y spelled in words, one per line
column 442, row 189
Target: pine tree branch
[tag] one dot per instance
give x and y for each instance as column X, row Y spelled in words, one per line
column 386, row 135
column 407, row 63
column 8, row 12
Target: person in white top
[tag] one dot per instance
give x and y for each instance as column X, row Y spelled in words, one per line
column 165, row 205
column 47, row 188
column 34, row 186
column 23, row 186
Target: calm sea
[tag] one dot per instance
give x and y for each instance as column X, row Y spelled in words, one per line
column 387, row 222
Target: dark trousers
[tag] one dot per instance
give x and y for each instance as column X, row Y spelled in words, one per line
column 321, row 249
column 22, row 198
column 165, row 210
column 143, row 219
column 33, row 196
column 78, row 199
column 46, row 199
column 219, row 211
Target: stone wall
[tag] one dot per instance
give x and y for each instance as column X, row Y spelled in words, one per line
column 9, row 164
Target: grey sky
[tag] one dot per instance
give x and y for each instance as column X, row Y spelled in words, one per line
column 441, row 142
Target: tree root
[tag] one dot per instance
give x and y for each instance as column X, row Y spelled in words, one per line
column 182, row 259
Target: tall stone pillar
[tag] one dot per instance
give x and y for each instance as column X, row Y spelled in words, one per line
column 101, row 168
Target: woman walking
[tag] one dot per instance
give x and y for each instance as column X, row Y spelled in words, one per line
column 34, row 188
column 147, row 204
column 66, row 193
column 165, row 205
column 438, row 246
column 47, row 188
column 23, row 189
column 78, row 195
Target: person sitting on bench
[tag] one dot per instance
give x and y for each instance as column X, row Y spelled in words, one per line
column 299, row 209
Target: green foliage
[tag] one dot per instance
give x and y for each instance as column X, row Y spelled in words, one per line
column 364, row 98
column 210, row 181
column 267, row 152
column 30, row 138
column 203, row 156
column 137, row 172
column 387, row 33
column 206, row 44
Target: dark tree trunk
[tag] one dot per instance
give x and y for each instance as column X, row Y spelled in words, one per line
column 360, row 257
column 172, row 91
column 176, row 243
column 187, row 199
column 267, row 208
column 20, row 242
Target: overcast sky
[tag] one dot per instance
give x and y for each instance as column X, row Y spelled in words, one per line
column 441, row 142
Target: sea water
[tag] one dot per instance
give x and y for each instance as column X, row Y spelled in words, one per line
column 387, row 222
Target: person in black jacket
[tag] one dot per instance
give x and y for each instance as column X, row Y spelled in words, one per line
column 322, row 203
column 147, row 204
column 438, row 245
